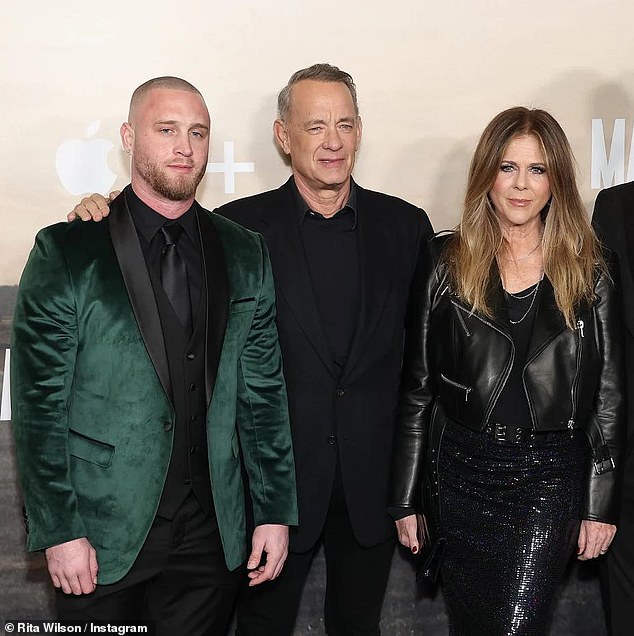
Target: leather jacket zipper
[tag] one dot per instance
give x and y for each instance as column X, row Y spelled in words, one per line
column 575, row 382
column 461, row 319
column 462, row 387
column 528, row 362
column 505, row 375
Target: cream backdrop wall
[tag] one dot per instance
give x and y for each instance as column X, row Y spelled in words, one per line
column 430, row 75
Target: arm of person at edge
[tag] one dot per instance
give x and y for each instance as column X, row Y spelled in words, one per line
column 265, row 438
column 45, row 340
column 415, row 398
column 93, row 208
column 595, row 535
column 270, row 540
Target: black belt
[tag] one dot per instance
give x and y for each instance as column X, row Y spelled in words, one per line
column 505, row 433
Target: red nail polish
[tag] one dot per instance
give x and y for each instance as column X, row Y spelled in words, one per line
column 415, row 549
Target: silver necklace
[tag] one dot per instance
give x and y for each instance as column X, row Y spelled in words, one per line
column 534, row 294
column 522, row 258
column 526, row 295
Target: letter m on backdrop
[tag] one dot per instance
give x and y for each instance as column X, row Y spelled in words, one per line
column 608, row 164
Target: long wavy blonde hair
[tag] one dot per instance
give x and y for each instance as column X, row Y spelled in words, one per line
column 571, row 251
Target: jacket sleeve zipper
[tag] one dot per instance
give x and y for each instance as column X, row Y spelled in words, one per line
column 573, row 390
column 598, row 462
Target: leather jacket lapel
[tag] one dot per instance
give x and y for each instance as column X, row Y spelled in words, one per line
column 548, row 322
column 497, row 302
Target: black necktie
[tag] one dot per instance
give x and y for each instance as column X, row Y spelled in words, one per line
column 174, row 275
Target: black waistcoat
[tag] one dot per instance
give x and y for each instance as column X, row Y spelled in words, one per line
column 189, row 464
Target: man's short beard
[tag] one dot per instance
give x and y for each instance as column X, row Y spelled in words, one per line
column 178, row 189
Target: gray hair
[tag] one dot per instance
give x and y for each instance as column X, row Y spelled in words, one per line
column 320, row 73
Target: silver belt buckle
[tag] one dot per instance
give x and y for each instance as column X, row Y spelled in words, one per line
column 500, row 432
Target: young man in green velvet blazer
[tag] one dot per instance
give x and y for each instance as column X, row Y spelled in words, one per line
column 133, row 429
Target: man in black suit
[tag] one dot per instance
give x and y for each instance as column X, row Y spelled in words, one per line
column 343, row 261
column 613, row 220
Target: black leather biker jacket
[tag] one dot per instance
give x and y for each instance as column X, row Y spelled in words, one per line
column 456, row 363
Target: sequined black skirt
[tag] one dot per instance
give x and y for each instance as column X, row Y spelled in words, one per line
column 511, row 514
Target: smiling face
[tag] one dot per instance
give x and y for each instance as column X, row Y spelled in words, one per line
column 521, row 188
column 168, row 139
column 321, row 134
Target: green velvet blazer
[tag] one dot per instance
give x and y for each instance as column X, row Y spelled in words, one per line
column 90, row 387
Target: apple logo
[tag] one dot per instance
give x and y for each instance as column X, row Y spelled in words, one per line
column 82, row 164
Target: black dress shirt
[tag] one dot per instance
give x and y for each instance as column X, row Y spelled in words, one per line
column 148, row 223
column 332, row 257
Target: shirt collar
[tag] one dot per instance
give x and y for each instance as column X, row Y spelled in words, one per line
column 148, row 221
column 302, row 208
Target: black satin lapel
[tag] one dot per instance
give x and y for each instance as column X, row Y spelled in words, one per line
column 292, row 279
column 548, row 322
column 137, row 281
column 217, row 309
column 377, row 261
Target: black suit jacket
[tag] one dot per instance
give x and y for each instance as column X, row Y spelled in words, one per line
column 613, row 220
column 353, row 414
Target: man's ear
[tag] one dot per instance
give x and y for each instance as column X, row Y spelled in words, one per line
column 127, row 137
column 281, row 136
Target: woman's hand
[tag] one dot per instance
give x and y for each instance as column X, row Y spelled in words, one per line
column 594, row 539
column 412, row 532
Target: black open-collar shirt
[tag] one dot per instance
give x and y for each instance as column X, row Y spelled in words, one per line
column 332, row 257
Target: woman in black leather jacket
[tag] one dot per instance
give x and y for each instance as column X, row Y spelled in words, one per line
column 509, row 431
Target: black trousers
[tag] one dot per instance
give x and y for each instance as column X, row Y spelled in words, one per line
column 179, row 581
column 355, row 586
column 617, row 566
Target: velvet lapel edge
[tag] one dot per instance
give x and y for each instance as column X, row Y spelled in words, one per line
column 139, row 286
column 217, row 294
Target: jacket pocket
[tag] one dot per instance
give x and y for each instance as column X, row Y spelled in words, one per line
column 242, row 304
column 89, row 449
